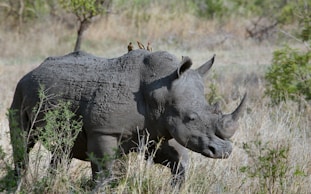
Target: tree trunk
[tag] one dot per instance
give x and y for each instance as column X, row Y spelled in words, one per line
column 84, row 24
column 20, row 15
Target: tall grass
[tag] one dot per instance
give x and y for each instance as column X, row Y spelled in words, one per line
column 240, row 65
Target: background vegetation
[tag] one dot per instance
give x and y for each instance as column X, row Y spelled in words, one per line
column 262, row 47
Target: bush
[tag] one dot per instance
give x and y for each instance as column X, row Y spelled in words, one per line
column 304, row 18
column 268, row 165
column 9, row 180
column 58, row 135
column 60, row 131
column 289, row 77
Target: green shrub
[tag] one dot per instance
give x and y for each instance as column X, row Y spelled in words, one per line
column 289, row 76
column 8, row 182
column 304, row 18
column 60, row 131
column 57, row 135
column 268, row 164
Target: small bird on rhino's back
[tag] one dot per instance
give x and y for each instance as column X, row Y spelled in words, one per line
column 149, row 48
column 130, row 47
column 140, row 45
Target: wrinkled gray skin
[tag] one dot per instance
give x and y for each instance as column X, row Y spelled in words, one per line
column 123, row 98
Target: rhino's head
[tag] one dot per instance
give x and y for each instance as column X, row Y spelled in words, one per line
column 191, row 121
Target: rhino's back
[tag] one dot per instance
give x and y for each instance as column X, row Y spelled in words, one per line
column 100, row 89
column 83, row 77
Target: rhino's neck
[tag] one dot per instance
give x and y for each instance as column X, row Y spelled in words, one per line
column 155, row 109
column 158, row 73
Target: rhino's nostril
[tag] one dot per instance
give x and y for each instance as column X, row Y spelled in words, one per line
column 212, row 149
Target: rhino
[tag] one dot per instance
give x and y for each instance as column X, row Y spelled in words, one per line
column 120, row 99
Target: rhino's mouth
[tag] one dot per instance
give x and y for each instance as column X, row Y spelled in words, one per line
column 216, row 152
column 212, row 154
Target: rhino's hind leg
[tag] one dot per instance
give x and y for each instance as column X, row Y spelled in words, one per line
column 101, row 152
column 174, row 156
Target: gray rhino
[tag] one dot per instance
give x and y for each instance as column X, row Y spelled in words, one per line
column 122, row 98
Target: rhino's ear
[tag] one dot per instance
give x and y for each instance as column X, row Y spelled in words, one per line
column 203, row 69
column 184, row 65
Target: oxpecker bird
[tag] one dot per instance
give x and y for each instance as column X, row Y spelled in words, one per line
column 149, row 48
column 140, row 45
column 130, row 47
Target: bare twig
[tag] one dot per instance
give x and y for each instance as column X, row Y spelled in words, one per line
column 5, row 5
column 297, row 39
column 258, row 31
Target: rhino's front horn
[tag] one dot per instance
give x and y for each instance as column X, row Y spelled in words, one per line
column 227, row 126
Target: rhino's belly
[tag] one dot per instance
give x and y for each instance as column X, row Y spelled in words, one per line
column 119, row 119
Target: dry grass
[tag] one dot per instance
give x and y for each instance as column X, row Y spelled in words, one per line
column 239, row 67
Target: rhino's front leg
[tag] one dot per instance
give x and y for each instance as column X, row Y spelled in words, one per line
column 101, row 150
column 174, row 156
